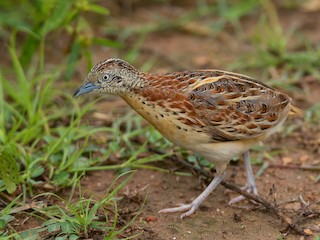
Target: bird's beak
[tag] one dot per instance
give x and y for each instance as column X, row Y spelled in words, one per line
column 85, row 88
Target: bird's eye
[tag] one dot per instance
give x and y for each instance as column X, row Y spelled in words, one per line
column 106, row 77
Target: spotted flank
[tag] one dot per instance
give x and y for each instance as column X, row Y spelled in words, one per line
column 231, row 106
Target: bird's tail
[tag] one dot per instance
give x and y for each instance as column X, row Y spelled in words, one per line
column 295, row 111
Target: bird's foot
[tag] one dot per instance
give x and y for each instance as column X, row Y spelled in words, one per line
column 192, row 207
column 189, row 209
column 250, row 189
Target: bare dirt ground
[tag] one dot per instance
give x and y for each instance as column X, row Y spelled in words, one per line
column 284, row 181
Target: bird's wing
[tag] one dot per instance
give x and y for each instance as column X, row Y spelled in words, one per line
column 237, row 107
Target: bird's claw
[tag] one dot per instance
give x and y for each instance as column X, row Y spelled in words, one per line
column 189, row 208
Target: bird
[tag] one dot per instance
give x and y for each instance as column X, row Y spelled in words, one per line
column 214, row 113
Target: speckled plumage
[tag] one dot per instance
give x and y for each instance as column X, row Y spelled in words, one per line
column 216, row 113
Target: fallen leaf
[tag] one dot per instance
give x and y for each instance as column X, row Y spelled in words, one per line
column 287, row 160
column 303, row 158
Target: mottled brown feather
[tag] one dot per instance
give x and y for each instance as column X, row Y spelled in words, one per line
column 234, row 107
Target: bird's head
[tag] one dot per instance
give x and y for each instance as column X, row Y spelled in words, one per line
column 114, row 76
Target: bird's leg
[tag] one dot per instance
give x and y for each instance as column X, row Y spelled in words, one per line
column 250, row 177
column 192, row 207
column 251, row 184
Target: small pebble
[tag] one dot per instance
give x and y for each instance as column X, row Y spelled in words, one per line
column 151, row 219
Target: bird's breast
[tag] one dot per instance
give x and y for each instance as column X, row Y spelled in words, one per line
column 171, row 124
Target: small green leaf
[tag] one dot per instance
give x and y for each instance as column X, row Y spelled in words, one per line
column 98, row 9
column 9, row 170
column 31, row 234
column 4, row 220
column 54, row 227
column 192, row 159
column 37, row 171
column 73, row 237
column 62, row 237
column 67, row 227
column 204, row 163
column 61, row 178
